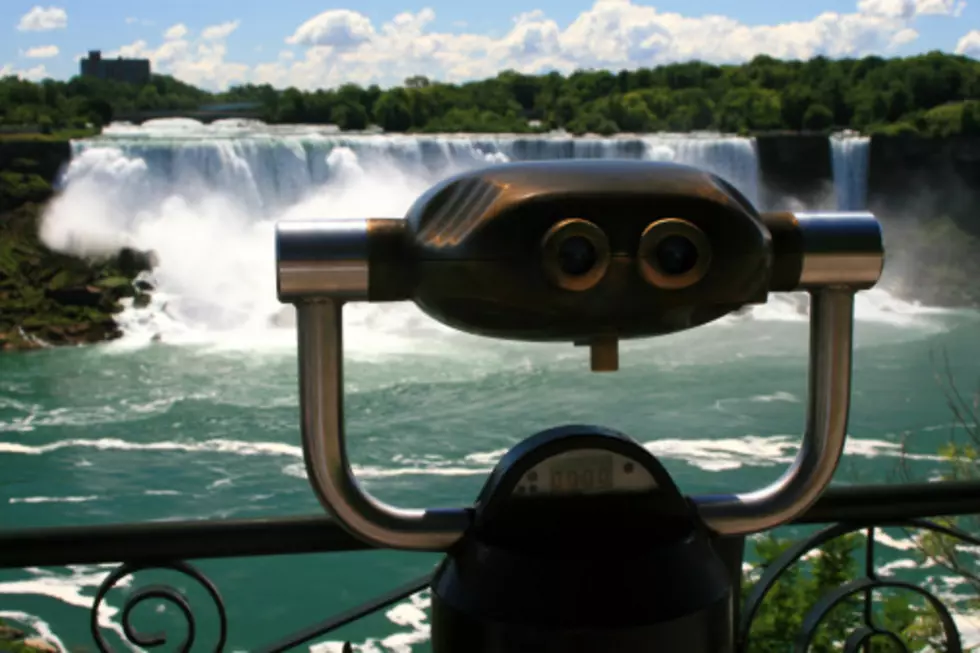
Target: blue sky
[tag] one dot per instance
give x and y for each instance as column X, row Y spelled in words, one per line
column 311, row 43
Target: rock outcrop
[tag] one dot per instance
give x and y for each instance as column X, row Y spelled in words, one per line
column 48, row 298
column 14, row 640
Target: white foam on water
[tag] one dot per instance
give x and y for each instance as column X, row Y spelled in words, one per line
column 237, row 447
column 71, row 590
column 411, row 614
column 709, row 455
column 873, row 306
column 298, row 470
column 87, row 499
column 787, row 397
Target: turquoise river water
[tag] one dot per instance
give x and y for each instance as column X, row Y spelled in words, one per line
column 193, row 414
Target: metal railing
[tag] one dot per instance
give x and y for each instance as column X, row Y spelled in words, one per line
column 170, row 545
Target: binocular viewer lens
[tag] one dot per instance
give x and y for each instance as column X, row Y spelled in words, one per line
column 673, row 253
column 577, row 255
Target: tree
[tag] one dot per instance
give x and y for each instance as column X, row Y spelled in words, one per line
column 349, row 116
column 818, row 117
column 149, row 98
column 962, row 455
column 930, row 94
column 392, row 111
column 798, row 588
column 796, row 99
column 971, row 118
column 417, row 81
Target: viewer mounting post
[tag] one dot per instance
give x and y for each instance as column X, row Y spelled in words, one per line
column 584, row 252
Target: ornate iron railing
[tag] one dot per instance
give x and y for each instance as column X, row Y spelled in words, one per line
column 170, row 545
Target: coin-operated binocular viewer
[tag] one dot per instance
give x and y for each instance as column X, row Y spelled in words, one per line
column 580, row 540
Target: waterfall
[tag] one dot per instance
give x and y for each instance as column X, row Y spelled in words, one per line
column 268, row 171
column 849, row 157
column 205, row 199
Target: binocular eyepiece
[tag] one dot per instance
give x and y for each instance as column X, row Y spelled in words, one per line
column 575, row 254
column 672, row 254
column 580, row 251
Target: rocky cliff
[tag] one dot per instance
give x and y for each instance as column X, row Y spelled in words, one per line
column 795, row 170
column 925, row 192
column 48, row 298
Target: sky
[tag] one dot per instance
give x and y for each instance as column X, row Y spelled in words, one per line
column 318, row 44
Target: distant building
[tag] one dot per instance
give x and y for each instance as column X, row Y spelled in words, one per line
column 132, row 71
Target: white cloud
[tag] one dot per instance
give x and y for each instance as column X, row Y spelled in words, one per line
column 40, row 19
column 34, row 74
column 339, row 28
column 969, row 44
column 940, row 7
column 342, row 45
column 910, row 8
column 199, row 61
column 42, row 52
column 219, row 32
column 175, row 32
column 907, row 35
column 130, row 20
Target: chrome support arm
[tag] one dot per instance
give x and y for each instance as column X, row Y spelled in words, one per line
column 320, row 330
column 842, row 252
column 828, row 403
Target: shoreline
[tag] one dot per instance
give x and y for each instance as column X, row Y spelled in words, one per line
column 48, row 298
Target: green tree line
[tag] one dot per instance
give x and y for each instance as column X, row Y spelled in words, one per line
column 935, row 94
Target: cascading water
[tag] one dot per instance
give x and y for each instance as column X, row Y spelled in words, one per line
column 205, row 198
column 268, row 170
column 849, row 158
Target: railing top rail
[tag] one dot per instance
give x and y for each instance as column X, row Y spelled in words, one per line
column 312, row 534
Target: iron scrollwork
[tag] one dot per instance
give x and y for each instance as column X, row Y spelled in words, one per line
column 179, row 599
column 166, row 593
column 859, row 587
column 156, row 545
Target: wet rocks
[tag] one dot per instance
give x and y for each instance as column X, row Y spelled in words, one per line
column 53, row 299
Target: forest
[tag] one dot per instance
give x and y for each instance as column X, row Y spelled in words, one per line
column 934, row 94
